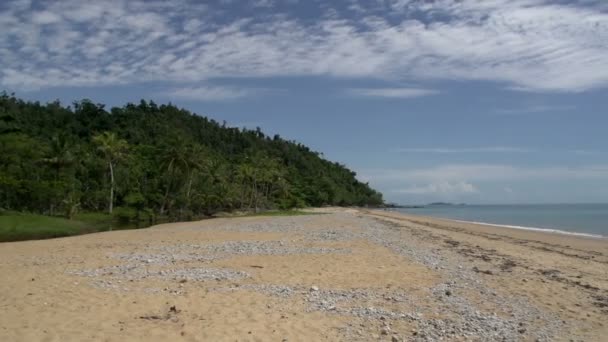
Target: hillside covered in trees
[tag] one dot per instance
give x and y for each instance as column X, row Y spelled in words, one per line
column 146, row 160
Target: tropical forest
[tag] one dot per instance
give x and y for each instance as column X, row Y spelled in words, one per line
column 143, row 162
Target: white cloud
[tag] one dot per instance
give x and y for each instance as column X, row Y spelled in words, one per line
column 491, row 149
column 262, row 3
column 530, row 45
column 487, row 183
column 442, row 188
column 209, row 93
column 404, row 93
column 584, row 152
column 534, row 109
column 486, row 173
column 45, row 17
column 450, row 150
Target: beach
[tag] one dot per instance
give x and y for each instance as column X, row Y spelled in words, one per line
column 335, row 275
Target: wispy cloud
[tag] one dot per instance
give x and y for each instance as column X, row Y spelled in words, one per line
column 441, row 188
column 449, row 150
column 404, row 93
column 585, row 152
column 490, row 182
column 492, row 149
column 485, row 173
column 535, row 45
column 45, row 17
column 533, row 109
column 210, row 93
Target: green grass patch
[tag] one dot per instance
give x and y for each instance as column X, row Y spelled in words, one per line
column 94, row 218
column 15, row 226
column 27, row 227
column 23, row 226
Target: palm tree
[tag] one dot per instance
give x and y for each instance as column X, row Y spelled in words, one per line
column 180, row 157
column 246, row 175
column 60, row 157
column 113, row 149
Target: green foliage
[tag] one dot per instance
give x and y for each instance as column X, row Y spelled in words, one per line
column 143, row 161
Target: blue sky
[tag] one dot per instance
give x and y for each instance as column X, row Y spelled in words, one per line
column 491, row 101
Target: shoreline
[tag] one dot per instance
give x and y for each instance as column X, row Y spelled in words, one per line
column 550, row 239
column 536, row 229
column 500, row 225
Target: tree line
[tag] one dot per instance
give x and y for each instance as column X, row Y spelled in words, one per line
column 146, row 160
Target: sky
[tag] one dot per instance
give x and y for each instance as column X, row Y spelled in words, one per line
column 494, row 101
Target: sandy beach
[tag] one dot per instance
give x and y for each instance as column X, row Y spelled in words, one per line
column 337, row 275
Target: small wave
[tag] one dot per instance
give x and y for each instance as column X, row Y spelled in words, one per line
column 544, row 230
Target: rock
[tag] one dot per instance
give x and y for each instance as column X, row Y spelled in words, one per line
column 521, row 330
column 448, row 293
column 395, row 339
column 385, row 330
column 314, row 289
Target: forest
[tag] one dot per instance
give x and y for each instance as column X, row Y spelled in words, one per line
column 144, row 161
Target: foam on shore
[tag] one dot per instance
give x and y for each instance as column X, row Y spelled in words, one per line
column 543, row 230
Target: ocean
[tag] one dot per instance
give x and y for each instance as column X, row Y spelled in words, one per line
column 580, row 219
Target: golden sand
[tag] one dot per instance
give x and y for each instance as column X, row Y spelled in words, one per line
column 43, row 298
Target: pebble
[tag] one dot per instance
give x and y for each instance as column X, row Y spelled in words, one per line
column 135, row 272
column 452, row 315
column 170, row 254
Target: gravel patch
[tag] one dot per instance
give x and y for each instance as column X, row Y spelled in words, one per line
column 281, row 291
column 444, row 314
column 136, row 272
column 508, row 325
column 171, row 254
column 453, row 316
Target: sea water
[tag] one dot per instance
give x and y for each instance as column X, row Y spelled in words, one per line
column 583, row 219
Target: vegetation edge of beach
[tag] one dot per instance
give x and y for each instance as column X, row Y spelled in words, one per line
column 19, row 226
